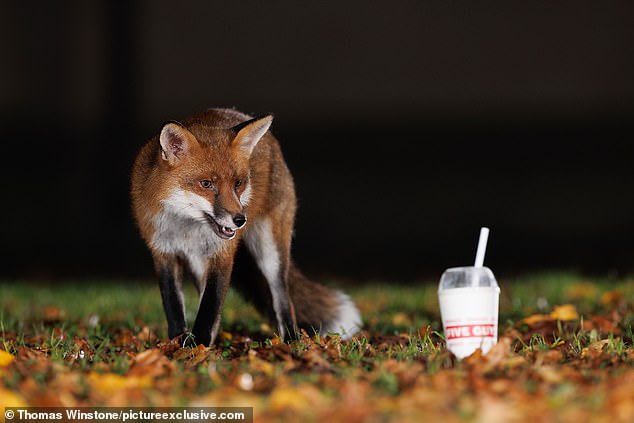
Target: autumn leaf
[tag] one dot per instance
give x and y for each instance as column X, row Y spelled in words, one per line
column 5, row 358
column 601, row 324
column 401, row 319
column 595, row 348
column 171, row 347
column 545, row 367
column 53, row 314
column 197, row 355
column 611, row 298
column 10, row 399
column 151, row 363
column 564, row 312
column 111, row 382
column 146, row 335
column 535, row 319
column 582, row 291
column 298, row 398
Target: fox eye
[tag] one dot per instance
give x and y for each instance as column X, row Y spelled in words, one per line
column 206, row 183
column 238, row 183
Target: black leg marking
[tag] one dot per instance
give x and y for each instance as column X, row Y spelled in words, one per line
column 208, row 318
column 172, row 302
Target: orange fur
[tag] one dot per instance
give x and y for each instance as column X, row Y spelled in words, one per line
column 208, row 161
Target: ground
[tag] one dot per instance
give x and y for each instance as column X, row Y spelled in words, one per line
column 565, row 354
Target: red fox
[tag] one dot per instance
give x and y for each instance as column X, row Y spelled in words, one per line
column 200, row 188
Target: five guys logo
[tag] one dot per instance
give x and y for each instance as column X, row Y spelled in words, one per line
column 470, row 331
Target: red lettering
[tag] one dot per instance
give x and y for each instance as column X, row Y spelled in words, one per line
column 470, row 331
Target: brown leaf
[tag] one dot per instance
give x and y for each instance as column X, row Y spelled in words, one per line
column 53, row 314
column 498, row 357
column 611, row 298
column 386, row 342
column 29, row 361
column 151, row 363
column 595, row 349
column 601, row 324
column 146, row 335
column 406, row 373
column 127, row 341
column 170, row 347
column 550, row 374
column 199, row 354
column 81, row 351
column 314, row 362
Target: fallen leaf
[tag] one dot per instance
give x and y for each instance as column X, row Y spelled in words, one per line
column 535, row 319
column 550, row 374
column 401, row 319
column 288, row 398
column 170, row 347
column 10, row 399
column 81, row 351
column 582, row 291
column 601, row 324
column 564, row 312
column 389, row 341
column 146, row 335
column 597, row 346
column 53, row 314
column 199, row 354
column 112, row 382
column 611, row 298
column 152, row 363
column 29, row 361
column 5, row 358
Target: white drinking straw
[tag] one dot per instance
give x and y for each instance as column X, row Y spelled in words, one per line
column 482, row 247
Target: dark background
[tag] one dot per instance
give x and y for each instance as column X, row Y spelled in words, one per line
column 407, row 125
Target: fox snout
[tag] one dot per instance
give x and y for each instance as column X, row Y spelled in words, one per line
column 225, row 225
column 234, row 221
column 239, row 219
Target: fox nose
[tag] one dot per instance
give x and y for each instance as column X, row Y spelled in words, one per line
column 239, row 220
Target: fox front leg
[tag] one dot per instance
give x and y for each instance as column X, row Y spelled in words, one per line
column 207, row 321
column 169, row 273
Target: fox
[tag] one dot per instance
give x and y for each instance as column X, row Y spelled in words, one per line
column 212, row 196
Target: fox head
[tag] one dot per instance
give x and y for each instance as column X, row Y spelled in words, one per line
column 208, row 172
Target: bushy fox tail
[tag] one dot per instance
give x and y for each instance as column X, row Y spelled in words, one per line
column 317, row 307
column 322, row 309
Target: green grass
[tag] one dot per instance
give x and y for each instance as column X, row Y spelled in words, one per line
column 93, row 308
column 78, row 329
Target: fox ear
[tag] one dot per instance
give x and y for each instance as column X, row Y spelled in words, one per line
column 176, row 142
column 250, row 133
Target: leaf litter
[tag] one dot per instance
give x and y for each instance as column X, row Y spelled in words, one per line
column 560, row 366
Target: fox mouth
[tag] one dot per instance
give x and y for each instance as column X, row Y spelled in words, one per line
column 223, row 232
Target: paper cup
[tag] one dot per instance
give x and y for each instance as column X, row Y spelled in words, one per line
column 469, row 299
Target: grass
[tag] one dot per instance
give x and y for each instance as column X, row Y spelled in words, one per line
column 94, row 309
column 109, row 335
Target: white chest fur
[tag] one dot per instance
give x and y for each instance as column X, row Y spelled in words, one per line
column 186, row 237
